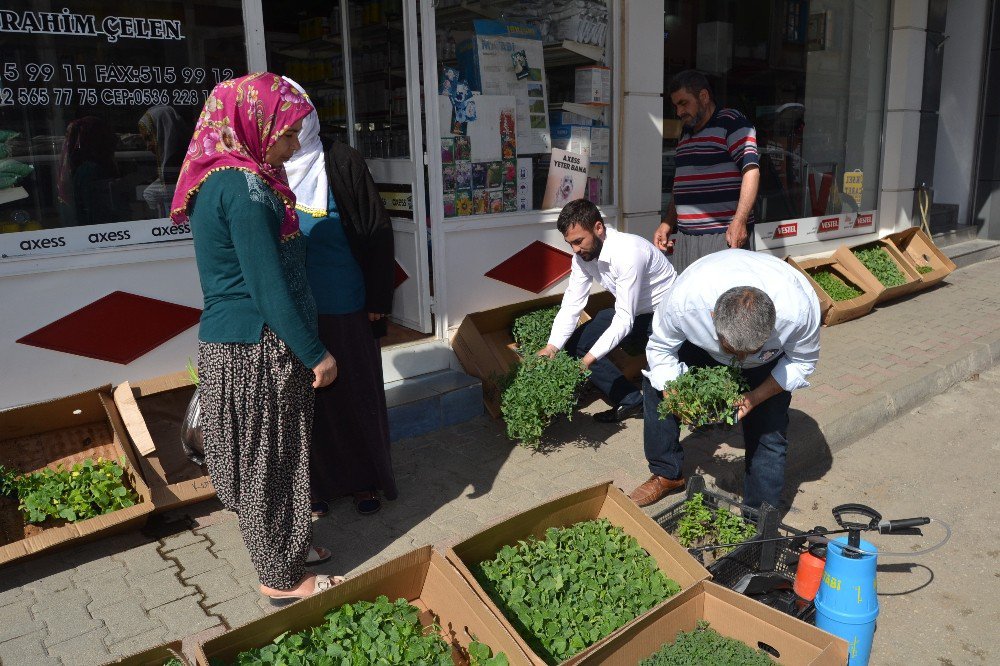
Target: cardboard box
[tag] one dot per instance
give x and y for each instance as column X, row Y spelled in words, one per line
column 154, row 656
column 153, row 411
column 485, row 347
column 922, row 251
column 592, row 85
column 846, row 257
column 792, row 642
column 423, row 577
column 835, row 312
column 66, row 431
column 601, row 501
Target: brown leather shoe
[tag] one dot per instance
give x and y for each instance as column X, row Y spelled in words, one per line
column 655, row 489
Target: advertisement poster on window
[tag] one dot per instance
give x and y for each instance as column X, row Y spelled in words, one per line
column 98, row 101
column 507, row 59
column 567, row 179
column 771, row 235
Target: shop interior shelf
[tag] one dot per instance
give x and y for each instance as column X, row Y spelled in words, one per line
column 464, row 12
column 321, row 47
column 568, row 52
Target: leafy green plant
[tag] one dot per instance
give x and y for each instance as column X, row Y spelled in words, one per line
column 700, row 525
column 173, row 661
column 704, row 396
column 541, row 389
column 574, row 587
column 880, row 263
column 531, row 331
column 704, row 645
column 86, row 490
column 836, row 288
column 924, row 269
column 192, row 372
column 363, row 633
column 8, row 482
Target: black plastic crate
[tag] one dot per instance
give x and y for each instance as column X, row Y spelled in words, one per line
column 753, row 556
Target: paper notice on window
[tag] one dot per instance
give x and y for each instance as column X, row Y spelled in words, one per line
column 567, row 179
column 507, row 59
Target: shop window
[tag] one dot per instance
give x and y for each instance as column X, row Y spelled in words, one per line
column 810, row 77
column 97, row 104
column 365, row 104
column 525, row 104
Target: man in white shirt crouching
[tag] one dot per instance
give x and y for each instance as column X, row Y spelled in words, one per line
column 637, row 275
column 739, row 308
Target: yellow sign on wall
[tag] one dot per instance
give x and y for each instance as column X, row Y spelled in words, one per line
column 854, row 185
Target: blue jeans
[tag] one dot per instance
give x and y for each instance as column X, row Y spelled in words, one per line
column 603, row 373
column 764, row 431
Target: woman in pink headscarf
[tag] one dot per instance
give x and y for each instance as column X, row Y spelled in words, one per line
column 259, row 355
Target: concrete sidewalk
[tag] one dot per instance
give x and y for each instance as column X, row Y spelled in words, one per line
column 188, row 573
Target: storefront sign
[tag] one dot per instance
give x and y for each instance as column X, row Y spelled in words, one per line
column 112, row 28
column 74, row 239
column 785, row 233
column 864, row 221
column 829, row 224
column 786, row 230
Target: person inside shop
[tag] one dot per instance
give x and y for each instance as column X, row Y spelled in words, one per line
column 166, row 135
column 88, row 173
column 743, row 309
column 351, row 269
column 259, row 354
column 635, row 273
column 716, row 178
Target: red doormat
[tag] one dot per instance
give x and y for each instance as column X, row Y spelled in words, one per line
column 119, row 327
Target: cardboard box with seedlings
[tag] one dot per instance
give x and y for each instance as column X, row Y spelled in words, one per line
column 66, row 431
column 486, row 349
column 932, row 264
column 833, row 311
column 789, row 641
column 156, row 656
column 153, row 411
column 601, row 501
column 845, row 255
column 423, row 577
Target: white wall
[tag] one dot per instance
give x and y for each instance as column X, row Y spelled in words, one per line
column 959, row 110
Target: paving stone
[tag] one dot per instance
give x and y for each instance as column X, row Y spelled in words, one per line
column 138, row 643
column 61, row 580
column 13, row 595
column 183, row 617
column 125, row 620
column 109, row 588
column 84, row 650
column 180, row 540
column 102, row 566
column 161, row 587
column 65, row 615
column 224, row 534
column 217, row 587
column 16, row 620
column 240, row 610
column 143, row 559
column 196, row 559
column 26, row 650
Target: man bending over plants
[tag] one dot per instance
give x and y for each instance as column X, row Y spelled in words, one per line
column 742, row 309
column 637, row 275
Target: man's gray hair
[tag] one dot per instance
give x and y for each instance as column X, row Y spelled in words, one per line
column 744, row 317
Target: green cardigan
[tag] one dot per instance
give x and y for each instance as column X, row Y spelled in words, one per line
column 250, row 278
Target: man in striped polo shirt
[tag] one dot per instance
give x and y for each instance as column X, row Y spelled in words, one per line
column 716, row 179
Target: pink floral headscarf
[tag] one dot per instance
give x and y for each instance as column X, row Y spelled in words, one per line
column 241, row 119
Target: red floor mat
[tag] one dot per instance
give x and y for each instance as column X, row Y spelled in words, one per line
column 119, row 327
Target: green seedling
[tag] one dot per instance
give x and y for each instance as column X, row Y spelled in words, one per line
column 704, row 396
column 541, row 389
column 365, row 633
column 924, row 269
column 531, row 331
column 704, row 645
column 880, row 263
column 574, row 587
column 85, row 490
column 835, row 288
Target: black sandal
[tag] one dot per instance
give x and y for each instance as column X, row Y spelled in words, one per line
column 367, row 503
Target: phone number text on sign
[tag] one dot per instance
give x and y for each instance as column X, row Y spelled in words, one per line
column 103, row 96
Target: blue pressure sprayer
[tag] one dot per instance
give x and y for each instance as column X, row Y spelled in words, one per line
column 847, row 600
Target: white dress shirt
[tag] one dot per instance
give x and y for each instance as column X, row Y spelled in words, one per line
column 686, row 314
column 630, row 267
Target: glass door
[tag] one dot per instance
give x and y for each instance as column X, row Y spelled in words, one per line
column 359, row 63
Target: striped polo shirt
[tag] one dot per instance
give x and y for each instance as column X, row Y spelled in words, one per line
column 710, row 166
